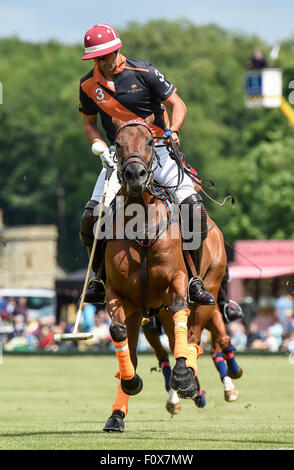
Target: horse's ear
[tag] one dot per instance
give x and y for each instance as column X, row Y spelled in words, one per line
column 150, row 119
column 117, row 122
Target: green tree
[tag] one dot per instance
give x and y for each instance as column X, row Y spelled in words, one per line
column 47, row 171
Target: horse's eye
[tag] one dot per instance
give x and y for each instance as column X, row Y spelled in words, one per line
column 150, row 142
column 117, row 144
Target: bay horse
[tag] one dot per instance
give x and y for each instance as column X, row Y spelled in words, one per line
column 213, row 268
column 144, row 273
column 214, row 263
column 212, row 271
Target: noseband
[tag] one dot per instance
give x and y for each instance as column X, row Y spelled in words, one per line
column 134, row 156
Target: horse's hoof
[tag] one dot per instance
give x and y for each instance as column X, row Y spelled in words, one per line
column 182, row 380
column 237, row 375
column 231, row 395
column 200, row 401
column 115, row 422
column 133, row 386
column 173, row 408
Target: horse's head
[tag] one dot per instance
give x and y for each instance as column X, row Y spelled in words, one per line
column 134, row 149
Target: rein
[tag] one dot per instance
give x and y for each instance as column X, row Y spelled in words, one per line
column 176, row 155
column 198, row 180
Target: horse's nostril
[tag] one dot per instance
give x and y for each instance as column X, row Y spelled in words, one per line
column 128, row 175
column 135, row 173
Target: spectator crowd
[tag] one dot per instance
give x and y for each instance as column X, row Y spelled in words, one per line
column 22, row 330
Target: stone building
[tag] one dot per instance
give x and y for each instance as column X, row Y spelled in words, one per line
column 28, row 256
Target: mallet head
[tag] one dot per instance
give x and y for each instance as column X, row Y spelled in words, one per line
column 72, row 337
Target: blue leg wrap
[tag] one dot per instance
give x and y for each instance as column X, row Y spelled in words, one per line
column 229, row 356
column 166, row 370
column 220, row 364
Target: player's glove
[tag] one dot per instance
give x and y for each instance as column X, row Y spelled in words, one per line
column 100, row 149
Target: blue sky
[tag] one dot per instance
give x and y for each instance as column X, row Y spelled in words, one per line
column 67, row 20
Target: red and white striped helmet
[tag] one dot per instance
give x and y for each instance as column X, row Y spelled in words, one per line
column 100, row 40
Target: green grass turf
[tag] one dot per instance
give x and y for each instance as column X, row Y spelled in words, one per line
column 63, row 402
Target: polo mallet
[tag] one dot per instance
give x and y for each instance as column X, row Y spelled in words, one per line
column 75, row 336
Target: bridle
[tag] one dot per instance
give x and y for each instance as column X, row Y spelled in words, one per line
column 121, row 169
column 137, row 157
column 157, row 191
column 134, row 156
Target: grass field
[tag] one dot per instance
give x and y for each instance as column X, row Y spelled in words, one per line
column 63, row 402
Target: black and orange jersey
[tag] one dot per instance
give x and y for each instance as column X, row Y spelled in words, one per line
column 139, row 90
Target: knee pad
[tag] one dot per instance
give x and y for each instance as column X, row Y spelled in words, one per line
column 118, row 332
column 194, row 201
column 87, row 223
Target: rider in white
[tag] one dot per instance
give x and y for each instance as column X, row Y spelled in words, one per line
column 127, row 88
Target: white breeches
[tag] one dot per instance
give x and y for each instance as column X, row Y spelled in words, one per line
column 166, row 175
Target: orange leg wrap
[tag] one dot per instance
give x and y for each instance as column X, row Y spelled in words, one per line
column 121, row 401
column 122, row 352
column 194, row 352
column 181, row 342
